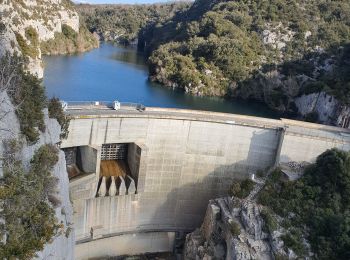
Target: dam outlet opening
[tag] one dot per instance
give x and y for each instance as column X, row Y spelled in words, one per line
column 80, row 161
column 118, row 169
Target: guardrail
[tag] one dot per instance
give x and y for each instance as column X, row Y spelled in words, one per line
column 76, row 105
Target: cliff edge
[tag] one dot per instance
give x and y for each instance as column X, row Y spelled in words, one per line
column 30, row 26
column 25, row 123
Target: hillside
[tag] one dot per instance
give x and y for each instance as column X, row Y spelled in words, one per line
column 277, row 52
column 36, row 218
column 33, row 28
column 122, row 23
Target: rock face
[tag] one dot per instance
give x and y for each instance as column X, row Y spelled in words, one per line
column 62, row 246
column 328, row 108
column 46, row 17
column 232, row 229
column 24, row 24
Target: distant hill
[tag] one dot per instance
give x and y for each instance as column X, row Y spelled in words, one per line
column 277, row 52
column 122, row 22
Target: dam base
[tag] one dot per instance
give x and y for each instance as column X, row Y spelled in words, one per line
column 127, row 244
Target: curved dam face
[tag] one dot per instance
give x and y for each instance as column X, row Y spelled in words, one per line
column 136, row 178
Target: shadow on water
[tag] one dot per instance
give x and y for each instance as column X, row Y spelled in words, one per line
column 116, row 72
column 130, row 56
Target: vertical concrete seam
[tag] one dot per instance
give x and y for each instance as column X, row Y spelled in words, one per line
column 91, row 130
column 279, row 146
column 106, row 131
column 120, row 126
column 188, row 133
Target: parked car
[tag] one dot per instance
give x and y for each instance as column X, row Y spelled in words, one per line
column 140, row 107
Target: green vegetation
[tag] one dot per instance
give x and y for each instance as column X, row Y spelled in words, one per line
column 56, row 111
column 122, row 23
column 28, row 97
column 32, row 35
column 28, row 201
column 30, row 100
column 220, row 48
column 69, row 41
column 315, row 207
column 29, row 50
column 27, row 94
column 271, row 223
column 241, row 189
column 235, row 228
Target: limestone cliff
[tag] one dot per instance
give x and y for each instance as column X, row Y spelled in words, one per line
column 26, row 24
column 62, row 245
column 234, row 229
column 328, row 109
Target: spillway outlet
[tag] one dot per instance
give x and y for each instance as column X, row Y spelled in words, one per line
column 119, row 169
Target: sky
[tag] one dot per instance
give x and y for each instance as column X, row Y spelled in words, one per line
column 122, row 1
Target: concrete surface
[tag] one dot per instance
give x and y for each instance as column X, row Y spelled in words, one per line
column 184, row 159
column 123, row 245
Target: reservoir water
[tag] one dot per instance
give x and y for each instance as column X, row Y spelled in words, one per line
column 118, row 73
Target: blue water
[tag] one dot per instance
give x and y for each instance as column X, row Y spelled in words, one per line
column 119, row 73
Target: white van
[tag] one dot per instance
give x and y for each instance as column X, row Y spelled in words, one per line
column 116, row 105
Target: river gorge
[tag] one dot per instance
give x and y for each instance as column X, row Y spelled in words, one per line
column 116, row 72
column 205, row 168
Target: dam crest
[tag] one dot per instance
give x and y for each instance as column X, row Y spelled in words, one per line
column 140, row 180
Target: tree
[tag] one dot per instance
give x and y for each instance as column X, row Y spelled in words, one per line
column 28, row 215
column 56, row 111
column 27, row 95
column 316, row 206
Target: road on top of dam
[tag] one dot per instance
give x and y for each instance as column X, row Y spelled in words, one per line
column 103, row 111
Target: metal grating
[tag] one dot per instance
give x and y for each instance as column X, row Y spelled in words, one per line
column 114, row 152
column 70, row 154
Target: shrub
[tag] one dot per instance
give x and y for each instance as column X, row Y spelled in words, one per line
column 27, row 95
column 294, row 241
column 30, row 100
column 56, row 111
column 235, row 228
column 69, row 41
column 69, row 32
column 315, row 206
column 29, row 220
column 242, row 189
column 27, row 50
column 32, row 36
column 270, row 221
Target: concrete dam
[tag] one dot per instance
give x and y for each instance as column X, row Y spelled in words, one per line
column 140, row 180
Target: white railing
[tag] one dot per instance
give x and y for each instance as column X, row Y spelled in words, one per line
column 71, row 105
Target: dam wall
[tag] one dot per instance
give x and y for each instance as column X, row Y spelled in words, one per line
column 179, row 159
column 303, row 142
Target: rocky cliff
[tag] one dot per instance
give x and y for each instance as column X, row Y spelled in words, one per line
column 240, row 228
column 24, row 26
column 62, row 245
column 327, row 109
column 27, row 24
column 233, row 229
